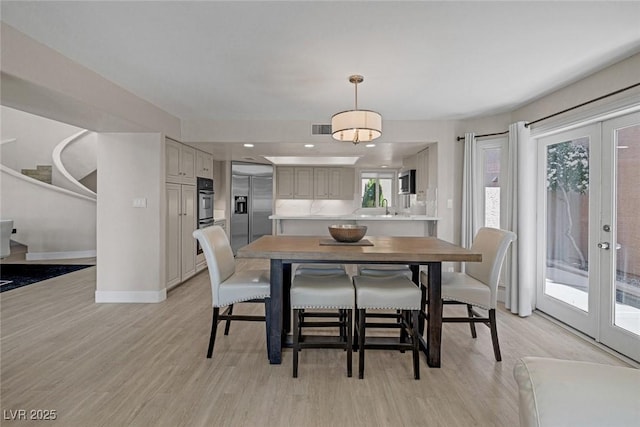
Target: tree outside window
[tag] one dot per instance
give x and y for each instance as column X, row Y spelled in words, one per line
column 377, row 189
column 568, row 178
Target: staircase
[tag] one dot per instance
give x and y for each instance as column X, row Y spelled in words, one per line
column 41, row 173
column 53, row 206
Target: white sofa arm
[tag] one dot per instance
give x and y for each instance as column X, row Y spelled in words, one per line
column 559, row 393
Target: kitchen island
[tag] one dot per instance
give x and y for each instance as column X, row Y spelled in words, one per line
column 377, row 225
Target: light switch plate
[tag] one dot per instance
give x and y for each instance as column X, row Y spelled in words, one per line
column 140, row 202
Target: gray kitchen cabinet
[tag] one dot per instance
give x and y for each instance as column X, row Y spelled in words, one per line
column 333, row 183
column 284, row 183
column 180, row 163
column 204, row 165
column 342, row 183
column 321, row 183
column 315, row 183
column 303, row 183
column 181, row 222
column 422, row 174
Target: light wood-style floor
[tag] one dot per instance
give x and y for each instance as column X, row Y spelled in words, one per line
column 145, row 365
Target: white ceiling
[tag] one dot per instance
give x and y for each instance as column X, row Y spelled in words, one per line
column 266, row 60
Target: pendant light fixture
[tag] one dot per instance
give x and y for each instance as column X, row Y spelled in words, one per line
column 356, row 125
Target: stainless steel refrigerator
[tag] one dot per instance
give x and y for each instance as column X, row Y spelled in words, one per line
column 251, row 202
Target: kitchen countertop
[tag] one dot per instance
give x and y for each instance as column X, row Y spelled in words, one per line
column 358, row 217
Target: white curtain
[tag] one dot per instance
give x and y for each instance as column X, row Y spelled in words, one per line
column 468, row 227
column 520, row 271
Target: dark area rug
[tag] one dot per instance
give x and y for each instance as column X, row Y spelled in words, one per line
column 13, row 276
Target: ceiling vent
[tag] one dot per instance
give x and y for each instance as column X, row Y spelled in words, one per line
column 320, row 129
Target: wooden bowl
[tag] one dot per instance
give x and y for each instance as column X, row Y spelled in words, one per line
column 347, row 233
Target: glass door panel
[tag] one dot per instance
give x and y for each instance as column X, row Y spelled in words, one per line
column 620, row 320
column 568, row 167
column 567, row 194
column 627, row 306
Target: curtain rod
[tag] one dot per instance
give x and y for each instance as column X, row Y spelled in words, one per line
column 461, row 138
column 583, row 104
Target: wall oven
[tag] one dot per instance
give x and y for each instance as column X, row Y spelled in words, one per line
column 407, row 182
column 205, row 205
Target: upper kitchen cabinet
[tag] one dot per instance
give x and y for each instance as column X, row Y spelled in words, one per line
column 180, row 163
column 315, row 183
column 303, row 183
column 333, row 183
column 294, row 183
column 422, row 174
column 284, row 183
column 204, row 165
column 321, row 183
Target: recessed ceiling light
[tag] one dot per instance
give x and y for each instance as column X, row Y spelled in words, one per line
column 248, row 145
column 370, row 145
column 623, row 146
column 309, row 145
column 384, row 166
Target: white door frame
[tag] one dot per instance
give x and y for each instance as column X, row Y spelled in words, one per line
column 585, row 321
column 611, row 335
column 598, row 322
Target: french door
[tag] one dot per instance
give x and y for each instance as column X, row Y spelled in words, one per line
column 590, row 225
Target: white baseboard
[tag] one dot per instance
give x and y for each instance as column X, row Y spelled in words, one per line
column 131, row 296
column 37, row 256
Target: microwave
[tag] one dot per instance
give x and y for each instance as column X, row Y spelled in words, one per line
column 407, row 182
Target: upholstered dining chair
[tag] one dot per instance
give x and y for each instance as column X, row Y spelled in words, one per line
column 375, row 293
column 318, row 270
column 477, row 287
column 228, row 286
column 316, row 289
column 385, row 270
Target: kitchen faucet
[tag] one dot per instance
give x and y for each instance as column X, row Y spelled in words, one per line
column 386, row 206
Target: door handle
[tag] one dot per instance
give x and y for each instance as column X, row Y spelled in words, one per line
column 604, row 245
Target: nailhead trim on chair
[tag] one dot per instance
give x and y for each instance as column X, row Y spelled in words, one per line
column 239, row 301
column 320, row 307
column 391, row 308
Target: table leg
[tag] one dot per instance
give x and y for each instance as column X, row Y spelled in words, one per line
column 415, row 277
column 286, row 301
column 434, row 326
column 275, row 341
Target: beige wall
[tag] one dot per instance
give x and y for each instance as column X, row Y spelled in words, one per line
column 130, row 241
column 620, row 75
column 41, row 81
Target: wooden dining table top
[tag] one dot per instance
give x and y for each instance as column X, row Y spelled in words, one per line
column 383, row 248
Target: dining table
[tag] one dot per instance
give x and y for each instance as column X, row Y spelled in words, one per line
column 285, row 250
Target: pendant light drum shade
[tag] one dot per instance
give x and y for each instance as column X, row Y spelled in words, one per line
column 356, row 126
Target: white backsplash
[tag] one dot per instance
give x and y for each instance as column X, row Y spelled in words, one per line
column 417, row 206
column 432, row 201
column 314, row 207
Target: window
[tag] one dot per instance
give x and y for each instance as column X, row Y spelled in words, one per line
column 489, row 181
column 377, row 188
